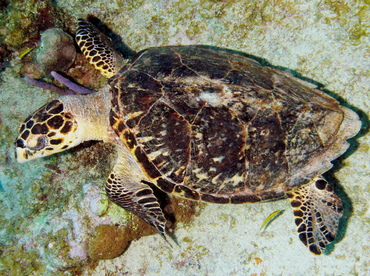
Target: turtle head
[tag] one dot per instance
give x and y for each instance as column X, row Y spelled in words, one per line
column 49, row 130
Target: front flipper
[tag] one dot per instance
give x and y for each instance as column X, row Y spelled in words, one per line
column 126, row 187
column 317, row 210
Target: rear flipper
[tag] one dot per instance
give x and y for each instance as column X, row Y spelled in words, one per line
column 317, row 210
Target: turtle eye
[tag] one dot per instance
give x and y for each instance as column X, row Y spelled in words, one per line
column 41, row 143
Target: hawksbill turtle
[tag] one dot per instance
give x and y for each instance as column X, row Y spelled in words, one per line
column 203, row 123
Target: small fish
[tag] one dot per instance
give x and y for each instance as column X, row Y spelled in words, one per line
column 270, row 219
column 25, row 52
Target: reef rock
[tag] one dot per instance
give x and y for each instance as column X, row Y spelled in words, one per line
column 57, row 51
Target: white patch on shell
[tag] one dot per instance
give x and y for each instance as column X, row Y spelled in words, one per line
column 155, row 154
column 163, row 132
column 145, row 139
column 200, row 175
column 215, row 179
column 218, row 159
column 212, row 99
column 236, row 179
column 199, row 136
column 133, row 115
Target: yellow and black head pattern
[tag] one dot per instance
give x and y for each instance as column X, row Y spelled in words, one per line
column 47, row 131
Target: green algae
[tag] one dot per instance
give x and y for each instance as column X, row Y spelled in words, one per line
column 18, row 261
column 340, row 7
column 17, row 24
column 355, row 18
column 102, row 208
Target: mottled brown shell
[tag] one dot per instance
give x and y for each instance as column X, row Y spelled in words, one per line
column 214, row 125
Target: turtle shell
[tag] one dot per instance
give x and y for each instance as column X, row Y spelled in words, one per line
column 212, row 124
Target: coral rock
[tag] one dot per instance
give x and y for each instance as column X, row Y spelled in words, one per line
column 109, row 242
column 57, row 51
